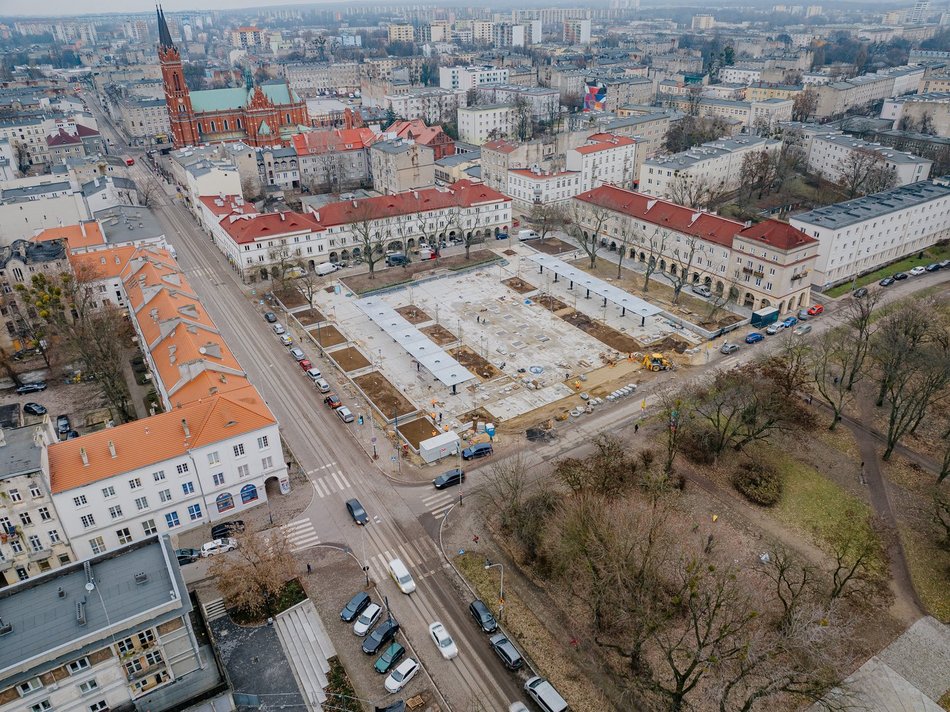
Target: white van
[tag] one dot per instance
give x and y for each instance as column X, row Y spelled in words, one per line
column 325, row 268
column 527, row 235
column 544, row 694
column 401, row 576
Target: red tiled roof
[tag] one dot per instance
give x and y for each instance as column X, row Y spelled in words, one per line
column 664, row 213
column 228, row 206
column 464, row 194
column 777, row 234
column 319, row 142
column 604, row 142
column 244, row 229
column 528, row 173
column 416, row 130
column 62, row 139
column 500, row 144
column 85, row 131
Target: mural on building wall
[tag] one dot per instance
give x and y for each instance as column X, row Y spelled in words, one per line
column 595, row 96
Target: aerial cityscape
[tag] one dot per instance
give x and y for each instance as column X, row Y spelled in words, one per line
column 434, row 357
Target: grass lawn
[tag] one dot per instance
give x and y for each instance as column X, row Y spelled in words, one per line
column 937, row 253
column 340, row 690
column 928, row 564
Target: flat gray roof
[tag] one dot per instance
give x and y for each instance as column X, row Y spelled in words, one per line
column 126, row 223
column 19, row 455
column 28, row 191
column 873, row 206
column 44, row 621
column 706, row 151
column 892, row 155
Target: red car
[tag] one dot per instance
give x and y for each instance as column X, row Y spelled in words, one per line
column 333, row 401
column 305, row 364
column 815, row 310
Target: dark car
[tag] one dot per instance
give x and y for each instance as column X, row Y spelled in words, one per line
column 356, row 605
column 886, row 282
column 476, row 451
column 900, row 275
column 455, row 476
column 505, row 650
column 356, row 511
column 63, row 427
column 270, row 317
column 754, row 337
column 34, row 409
column 862, row 292
column 187, row 556
column 227, row 529
column 944, row 264
column 381, row 635
column 486, row 621
column 391, row 655
column 933, row 267
column 31, row 388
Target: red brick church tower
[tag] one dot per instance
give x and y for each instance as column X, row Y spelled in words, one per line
column 180, row 114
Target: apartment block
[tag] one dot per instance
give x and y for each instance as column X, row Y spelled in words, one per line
column 831, row 155
column 604, row 158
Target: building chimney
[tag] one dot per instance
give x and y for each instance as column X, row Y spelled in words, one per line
column 317, row 215
column 82, row 227
column 112, row 449
column 84, row 456
column 184, row 426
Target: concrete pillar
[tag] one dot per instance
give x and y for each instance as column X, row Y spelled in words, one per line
column 572, row 285
column 623, row 311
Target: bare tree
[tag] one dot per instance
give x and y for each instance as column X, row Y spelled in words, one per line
column 914, row 388
column 330, row 170
column 865, row 171
column 832, row 360
column 587, row 226
column 695, row 191
column 859, row 569
column 367, row 235
column 792, row 583
column 682, row 258
column 522, row 118
column 804, row 105
column 858, row 319
column 628, row 230
column 505, row 489
column 547, row 217
column 252, row 576
column 251, row 188
column 720, row 299
column 900, row 333
column 148, row 192
column 655, row 247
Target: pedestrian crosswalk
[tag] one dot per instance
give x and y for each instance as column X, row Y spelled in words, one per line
column 422, row 557
column 300, row 534
column 332, row 481
column 440, row 503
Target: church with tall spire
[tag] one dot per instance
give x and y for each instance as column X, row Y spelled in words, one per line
column 266, row 114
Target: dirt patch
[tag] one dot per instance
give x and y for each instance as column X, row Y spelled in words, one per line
column 603, row 333
column 475, row 363
column 309, row 316
column 671, row 343
column 384, row 395
column 415, row 431
column 509, row 252
column 327, row 336
column 552, row 303
column 552, row 246
column 392, row 276
column 413, row 314
column 349, row 359
column 439, row 334
column 519, row 285
column 479, row 414
column 291, row 298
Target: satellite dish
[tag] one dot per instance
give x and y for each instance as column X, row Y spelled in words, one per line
column 90, row 587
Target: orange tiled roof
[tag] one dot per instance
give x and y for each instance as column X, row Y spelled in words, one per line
column 605, row 142
column 102, row 264
column 84, row 234
column 156, row 439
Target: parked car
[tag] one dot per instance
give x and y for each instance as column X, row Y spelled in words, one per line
column 944, row 264
column 506, row 650
column 62, row 424
column 270, row 317
column 789, row 321
column 754, row 337
column 226, row 529
column 476, row 451
column 278, row 328
column 391, row 655
column 298, row 354
column 702, row 290
column 544, row 694
column 34, row 409
column 775, row 328
column 802, row 330
column 72, row 435
column 218, row 546
column 486, row 621
column 187, row 556
column 355, row 606
column 31, row 388
column 401, row 676
column 333, row 401
column 443, row 641
column 899, row 276
column 313, row 373
column 345, row 415
column 886, row 282
column 861, row 292
column 518, row 707
column 803, row 315
column 381, row 635
column 286, row 340
column 356, row 511
column 917, row 271
column 933, row 267
column 367, row 619
column 728, row 348
column 455, row 476
column 816, row 309
column 322, row 385
column 305, row 364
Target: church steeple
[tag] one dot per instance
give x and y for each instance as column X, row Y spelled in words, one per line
column 164, row 36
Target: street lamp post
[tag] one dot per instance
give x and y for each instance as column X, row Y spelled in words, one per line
column 501, row 592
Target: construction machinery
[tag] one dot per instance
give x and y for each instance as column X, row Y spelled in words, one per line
column 656, row 362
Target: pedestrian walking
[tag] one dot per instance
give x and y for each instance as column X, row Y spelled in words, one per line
column 636, row 428
column 309, row 569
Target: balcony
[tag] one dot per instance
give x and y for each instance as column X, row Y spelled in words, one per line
column 41, row 555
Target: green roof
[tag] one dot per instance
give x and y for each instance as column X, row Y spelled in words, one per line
column 218, row 99
column 278, row 93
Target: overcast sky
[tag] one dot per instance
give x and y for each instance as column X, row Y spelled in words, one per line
column 55, row 9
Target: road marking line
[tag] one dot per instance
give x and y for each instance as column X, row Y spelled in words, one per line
column 335, row 476
column 437, row 498
column 297, row 522
column 442, row 508
column 407, row 560
column 346, row 482
column 320, row 488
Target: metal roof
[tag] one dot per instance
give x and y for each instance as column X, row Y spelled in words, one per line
column 596, row 285
column 434, row 358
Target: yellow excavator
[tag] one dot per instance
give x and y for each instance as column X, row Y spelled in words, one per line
column 656, row 362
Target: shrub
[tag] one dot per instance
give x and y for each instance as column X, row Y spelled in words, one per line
column 696, row 445
column 758, row 483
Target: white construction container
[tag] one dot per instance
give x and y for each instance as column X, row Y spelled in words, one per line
column 442, row 445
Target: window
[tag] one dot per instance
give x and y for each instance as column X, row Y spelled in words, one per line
column 146, row 637
column 182, row 468
column 88, row 521
column 35, row 491
column 149, row 527
column 125, row 536
column 17, row 546
column 141, row 503
column 77, row 665
column 98, row 706
column 135, row 483
column 213, row 458
column 158, row 476
column 262, row 442
column 25, row 688
column 165, row 495
column 194, row 511
column 239, row 450
column 115, row 512
column 35, row 543
column 41, row 706
column 80, row 501
column 171, row 519
column 218, row 478
column 224, row 502
column 126, row 645
column 53, row 536
column 15, row 495
column 267, row 463
column 25, row 519
column 97, row 545
column 243, row 471
column 44, row 514
column 153, row 657
column 88, row 686
column 188, row 487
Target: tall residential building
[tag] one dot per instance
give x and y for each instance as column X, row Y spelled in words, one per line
column 401, row 33
column 577, row 32
column 703, row 22
column 918, row 15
